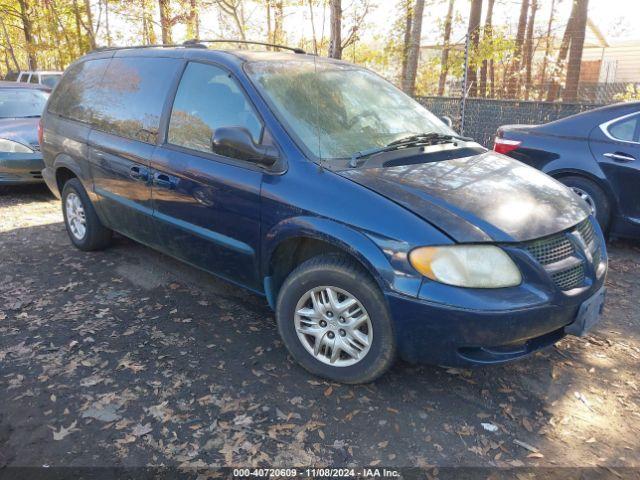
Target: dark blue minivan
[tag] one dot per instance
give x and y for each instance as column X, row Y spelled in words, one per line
column 372, row 229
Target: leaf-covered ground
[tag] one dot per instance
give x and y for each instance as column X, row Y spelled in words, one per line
column 128, row 358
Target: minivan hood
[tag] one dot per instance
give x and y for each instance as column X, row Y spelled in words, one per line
column 483, row 198
column 23, row 130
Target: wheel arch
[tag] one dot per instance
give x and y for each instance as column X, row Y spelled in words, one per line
column 296, row 240
column 600, row 182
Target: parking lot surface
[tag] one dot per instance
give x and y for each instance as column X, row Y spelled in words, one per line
column 126, row 357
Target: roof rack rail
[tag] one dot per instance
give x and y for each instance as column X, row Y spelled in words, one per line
column 197, row 43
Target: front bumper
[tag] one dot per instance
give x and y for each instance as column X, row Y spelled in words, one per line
column 20, row 168
column 436, row 333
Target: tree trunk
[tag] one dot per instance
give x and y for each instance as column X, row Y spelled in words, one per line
column 9, row 46
column 193, row 20
column 413, row 53
column 512, row 88
column 444, row 58
column 89, row 25
column 488, row 38
column 528, row 48
column 575, row 53
column 335, row 42
column 106, row 22
column 474, row 36
column 547, row 48
column 313, row 28
column 27, row 28
column 78, row 23
column 408, row 22
column 278, row 23
column 165, row 21
column 554, row 86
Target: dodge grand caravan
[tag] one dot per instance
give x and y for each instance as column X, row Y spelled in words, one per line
column 372, row 229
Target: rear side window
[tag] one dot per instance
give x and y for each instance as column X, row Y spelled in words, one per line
column 34, row 78
column 122, row 96
column 131, row 95
column 75, row 96
column 209, row 98
column 626, row 130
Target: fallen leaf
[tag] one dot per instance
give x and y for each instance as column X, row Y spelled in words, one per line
column 63, row 432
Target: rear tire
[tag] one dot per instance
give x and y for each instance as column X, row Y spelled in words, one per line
column 83, row 225
column 351, row 326
column 593, row 195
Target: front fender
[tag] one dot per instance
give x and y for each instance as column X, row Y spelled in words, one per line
column 363, row 247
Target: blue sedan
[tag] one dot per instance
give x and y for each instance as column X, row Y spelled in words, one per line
column 595, row 153
column 20, row 108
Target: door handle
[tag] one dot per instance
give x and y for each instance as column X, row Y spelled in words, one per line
column 139, row 173
column 163, row 180
column 620, row 157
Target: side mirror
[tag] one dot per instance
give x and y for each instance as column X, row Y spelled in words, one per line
column 447, row 121
column 236, row 142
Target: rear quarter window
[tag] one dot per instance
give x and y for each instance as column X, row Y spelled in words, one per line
column 74, row 97
column 625, row 130
column 122, row 96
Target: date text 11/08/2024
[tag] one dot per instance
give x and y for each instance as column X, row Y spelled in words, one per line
column 372, row 472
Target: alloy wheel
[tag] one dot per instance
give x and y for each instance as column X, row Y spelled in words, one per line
column 333, row 326
column 587, row 198
column 76, row 218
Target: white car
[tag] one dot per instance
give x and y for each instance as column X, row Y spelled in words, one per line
column 48, row 78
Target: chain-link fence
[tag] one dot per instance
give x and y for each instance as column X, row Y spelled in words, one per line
column 484, row 116
column 546, row 69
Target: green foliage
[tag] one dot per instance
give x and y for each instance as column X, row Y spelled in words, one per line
column 631, row 94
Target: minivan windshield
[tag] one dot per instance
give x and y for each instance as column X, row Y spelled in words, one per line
column 336, row 110
column 22, row 102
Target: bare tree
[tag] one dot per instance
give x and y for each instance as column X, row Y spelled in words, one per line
column 413, row 52
column 474, row 38
column 335, row 42
column 488, row 39
column 528, row 48
column 575, row 53
column 514, row 76
column 554, row 86
column 408, row 22
column 444, row 59
column 548, row 44
column 234, row 9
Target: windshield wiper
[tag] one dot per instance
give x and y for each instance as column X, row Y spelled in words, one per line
column 408, row 141
column 428, row 137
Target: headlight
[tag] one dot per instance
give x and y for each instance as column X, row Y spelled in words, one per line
column 9, row 146
column 474, row 266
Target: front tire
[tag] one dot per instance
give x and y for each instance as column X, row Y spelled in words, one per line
column 593, row 195
column 83, row 225
column 334, row 320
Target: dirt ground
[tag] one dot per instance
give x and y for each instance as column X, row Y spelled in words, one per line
column 129, row 358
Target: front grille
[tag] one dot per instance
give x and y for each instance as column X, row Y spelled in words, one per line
column 586, row 231
column 570, row 278
column 551, row 250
